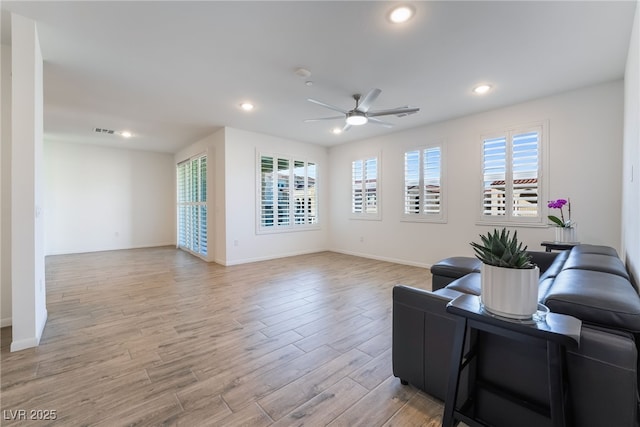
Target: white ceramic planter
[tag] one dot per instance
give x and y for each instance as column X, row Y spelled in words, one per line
column 566, row 235
column 509, row 292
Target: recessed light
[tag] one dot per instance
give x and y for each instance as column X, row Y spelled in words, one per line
column 247, row 106
column 336, row 131
column 126, row 134
column 481, row 89
column 401, row 14
column 303, row 73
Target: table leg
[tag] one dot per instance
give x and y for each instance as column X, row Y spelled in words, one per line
column 556, row 385
column 454, row 373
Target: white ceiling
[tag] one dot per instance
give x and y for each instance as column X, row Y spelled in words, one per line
column 172, row 72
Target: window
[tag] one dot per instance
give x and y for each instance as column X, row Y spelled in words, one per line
column 192, row 204
column 423, row 189
column 365, row 193
column 512, row 173
column 288, row 196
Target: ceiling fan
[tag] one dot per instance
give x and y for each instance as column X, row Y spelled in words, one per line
column 362, row 114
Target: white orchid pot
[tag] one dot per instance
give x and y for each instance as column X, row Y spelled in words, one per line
column 566, row 234
column 509, row 292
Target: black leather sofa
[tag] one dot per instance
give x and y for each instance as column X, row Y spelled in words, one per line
column 589, row 282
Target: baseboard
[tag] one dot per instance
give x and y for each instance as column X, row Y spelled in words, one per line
column 31, row 341
column 155, row 245
column 383, row 258
column 40, row 327
column 269, row 257
column 24, row 344
column 5, row 322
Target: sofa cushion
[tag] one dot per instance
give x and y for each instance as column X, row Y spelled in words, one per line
column 469, row 284
column 555, row 267
column 596, row 262
column 595, row 297
column 595, row 249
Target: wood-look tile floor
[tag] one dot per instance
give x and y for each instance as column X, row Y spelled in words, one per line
column 159, row 337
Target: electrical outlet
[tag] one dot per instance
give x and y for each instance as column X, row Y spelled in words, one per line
column 361, row 239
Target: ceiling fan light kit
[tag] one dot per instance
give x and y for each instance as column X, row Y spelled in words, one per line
column 361, row 114
column 356, row 118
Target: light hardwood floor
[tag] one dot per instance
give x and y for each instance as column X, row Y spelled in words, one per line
column 158, row 337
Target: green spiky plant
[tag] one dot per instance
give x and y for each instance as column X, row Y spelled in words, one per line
column 501, row 250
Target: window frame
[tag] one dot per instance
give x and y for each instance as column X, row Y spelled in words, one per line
column 421, row 216
column 364, row 215
column 293, row 223
column 542, row 127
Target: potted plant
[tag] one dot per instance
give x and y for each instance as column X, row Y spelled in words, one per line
column 565, row 228
column 509, row 280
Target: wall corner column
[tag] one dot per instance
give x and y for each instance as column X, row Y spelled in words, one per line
column 29, row 312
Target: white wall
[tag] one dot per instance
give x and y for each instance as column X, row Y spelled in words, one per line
column 100, row 198
column 242, row 242
column 29, row 314
column 585, row 129
column 631, row 155
column 5, row 188
column 232, row 196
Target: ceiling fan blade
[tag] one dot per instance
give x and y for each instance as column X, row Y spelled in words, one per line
column 324, row 118
column 368, row 100
column 346, row 127
column 380, row 122
column 400, row 112
column 331, row 107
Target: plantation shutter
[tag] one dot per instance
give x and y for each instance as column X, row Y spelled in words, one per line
column 526, row 155
column 511, row 175
column 267, row 202
column 364, row 187
column 494, row 176
column 423, row 183
column 311, row 194
column 288, row 195
column 192, row 205
column 284, row 192
column 432, row 181
column 357, row 183
column 412, row 182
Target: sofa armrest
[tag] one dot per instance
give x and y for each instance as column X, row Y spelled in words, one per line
column 422, row 338
column 542, row 259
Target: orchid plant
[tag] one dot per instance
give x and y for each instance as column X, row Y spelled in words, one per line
column 560, row 204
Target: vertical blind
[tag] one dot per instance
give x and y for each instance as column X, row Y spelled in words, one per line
column 192, row 204
column 364, row 186
column 288, row 193
column 511, row 175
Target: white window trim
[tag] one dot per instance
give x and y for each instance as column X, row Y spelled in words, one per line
column 377, row 216
column 292, row 227
column 543, row 171
column 441, row 218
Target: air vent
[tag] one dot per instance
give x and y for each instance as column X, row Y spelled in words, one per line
column 104, row 131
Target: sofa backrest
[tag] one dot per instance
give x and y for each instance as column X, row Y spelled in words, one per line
column 593, row 285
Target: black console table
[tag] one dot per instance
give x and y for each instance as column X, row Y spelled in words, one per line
column 557, row 246
column 558, row 331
